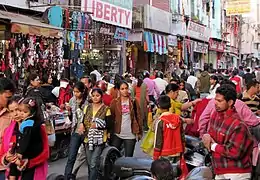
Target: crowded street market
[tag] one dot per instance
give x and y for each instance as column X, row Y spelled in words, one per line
column 129, row 90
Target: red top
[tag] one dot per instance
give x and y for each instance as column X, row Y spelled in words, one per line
column 65, row 95
column 192, row 129
column 168, row 136
column 152, row 77
column 107, row 99
column 138, row 93
column 237, row 81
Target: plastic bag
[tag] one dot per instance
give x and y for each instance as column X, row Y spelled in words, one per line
column 150, row 119
column 147, row 144
column 51, row 139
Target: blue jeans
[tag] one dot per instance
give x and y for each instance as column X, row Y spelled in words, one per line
column 75, row 142
column 93, row 157
column 2, row 175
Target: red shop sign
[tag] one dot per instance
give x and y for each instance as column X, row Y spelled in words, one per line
column 216, row 46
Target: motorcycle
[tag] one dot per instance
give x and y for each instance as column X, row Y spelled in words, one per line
column 114, row 167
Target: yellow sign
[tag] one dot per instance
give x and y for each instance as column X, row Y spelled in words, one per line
column 238, row 7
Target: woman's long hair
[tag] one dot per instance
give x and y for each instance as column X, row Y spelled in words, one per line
column 216, row 79
column 117, row 82
column 140, row 81
column 81, row 87
column 45, row 78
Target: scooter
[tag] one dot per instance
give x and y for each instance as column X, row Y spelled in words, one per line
column 114, row 167
column 199, row 173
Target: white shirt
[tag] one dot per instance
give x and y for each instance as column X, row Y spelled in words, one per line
column 98, row 75
column 161, row 84
column 212, row 92
column 192, row 80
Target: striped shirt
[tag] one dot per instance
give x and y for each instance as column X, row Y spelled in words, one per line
column 253, row 102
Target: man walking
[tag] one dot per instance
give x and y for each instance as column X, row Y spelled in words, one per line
column 229, row 139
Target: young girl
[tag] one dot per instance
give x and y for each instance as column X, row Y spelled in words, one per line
column 128, row 125
column 76, row 105
column 97, row 124
column 214, row 84
column 28, row 132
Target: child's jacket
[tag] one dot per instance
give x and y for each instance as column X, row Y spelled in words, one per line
column 168, row 139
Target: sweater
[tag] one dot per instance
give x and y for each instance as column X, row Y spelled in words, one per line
column 168, row 139
column 253, row 102
column 233, row 145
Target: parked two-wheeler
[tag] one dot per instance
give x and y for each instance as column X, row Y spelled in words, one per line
column 113, row 166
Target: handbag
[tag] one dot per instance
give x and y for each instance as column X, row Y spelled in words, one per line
column 147, row 144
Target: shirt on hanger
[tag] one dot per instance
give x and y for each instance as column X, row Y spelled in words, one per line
column 55, row 16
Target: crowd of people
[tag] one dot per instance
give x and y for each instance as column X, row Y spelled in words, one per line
column 218, row 106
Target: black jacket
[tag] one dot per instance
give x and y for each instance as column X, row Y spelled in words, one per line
column 35, row 93
column 47, row 95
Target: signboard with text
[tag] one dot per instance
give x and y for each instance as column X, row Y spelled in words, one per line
column 200, row 47
column 172, row 40
column 216, row 46
column 115, row 12
column 198, row 31
column 238, row 7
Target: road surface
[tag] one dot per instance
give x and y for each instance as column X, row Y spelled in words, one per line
column 59, row 166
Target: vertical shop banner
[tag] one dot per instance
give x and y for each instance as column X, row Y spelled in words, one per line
column 115, row 12
column 238, row 7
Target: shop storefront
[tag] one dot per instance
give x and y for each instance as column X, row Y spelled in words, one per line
column 179, row 29
column 231, row 57
column 27, row 45
column 106, row 48
column 156, row 47
column 112, row 19
column 173, row 53
column 196, row 52
column 152, row 51
column 216, row 50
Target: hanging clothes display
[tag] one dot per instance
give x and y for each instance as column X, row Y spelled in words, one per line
column 55, row 16
column 155, row 43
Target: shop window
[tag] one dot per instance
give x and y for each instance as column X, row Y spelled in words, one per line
column 192, row 8
column 196, row 57
column 213, row 9
column 174, row 6
column 207, row 7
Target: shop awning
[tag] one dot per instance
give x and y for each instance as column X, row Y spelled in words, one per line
column 27, row 25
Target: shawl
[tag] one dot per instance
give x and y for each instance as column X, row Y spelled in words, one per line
column 101, row 114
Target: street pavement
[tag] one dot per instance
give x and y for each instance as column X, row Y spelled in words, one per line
column 59, row 166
